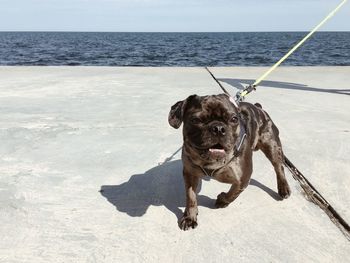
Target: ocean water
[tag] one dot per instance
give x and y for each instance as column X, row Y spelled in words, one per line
column 172, row 49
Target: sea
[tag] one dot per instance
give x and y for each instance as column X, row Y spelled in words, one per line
column 172, row 49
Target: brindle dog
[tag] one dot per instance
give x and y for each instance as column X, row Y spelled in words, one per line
column 219, row 140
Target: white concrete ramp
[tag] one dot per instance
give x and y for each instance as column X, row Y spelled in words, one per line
column 68, row 132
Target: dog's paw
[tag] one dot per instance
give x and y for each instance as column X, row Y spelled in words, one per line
column 284, row 191
column 221, row 201
column 187, row 222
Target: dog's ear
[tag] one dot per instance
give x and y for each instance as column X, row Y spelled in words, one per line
column 177, row 111
column 258, row 105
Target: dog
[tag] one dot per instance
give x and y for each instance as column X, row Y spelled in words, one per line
column 218, row 141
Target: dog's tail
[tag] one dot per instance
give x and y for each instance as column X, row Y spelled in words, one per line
column 258, row 105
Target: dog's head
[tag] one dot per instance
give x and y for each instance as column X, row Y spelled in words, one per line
column 210, row 127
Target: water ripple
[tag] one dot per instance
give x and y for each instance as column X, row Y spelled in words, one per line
column 172, row 49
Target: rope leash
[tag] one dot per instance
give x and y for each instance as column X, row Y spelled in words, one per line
column 234, row 102
column 241, row 94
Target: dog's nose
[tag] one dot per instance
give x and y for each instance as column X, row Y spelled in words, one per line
column 218, row 129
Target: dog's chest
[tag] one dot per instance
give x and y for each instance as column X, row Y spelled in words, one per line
column 229, row 175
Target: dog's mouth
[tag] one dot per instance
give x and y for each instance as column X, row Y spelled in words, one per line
column 217, row 151
column 217, row 148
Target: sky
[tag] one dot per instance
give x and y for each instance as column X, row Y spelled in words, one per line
column 171, row 15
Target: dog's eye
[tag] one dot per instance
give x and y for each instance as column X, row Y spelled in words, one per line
column 195, row 120
column 234, row 119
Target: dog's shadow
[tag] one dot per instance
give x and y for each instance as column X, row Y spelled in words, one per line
column 161, row 185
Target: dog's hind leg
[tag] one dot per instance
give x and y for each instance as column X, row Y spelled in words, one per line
column 270, row 145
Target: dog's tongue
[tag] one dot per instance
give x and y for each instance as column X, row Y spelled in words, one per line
column 217, row 153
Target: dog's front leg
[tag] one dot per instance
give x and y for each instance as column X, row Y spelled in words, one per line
column 189, row 218
column 237, row 187
column 224, row 199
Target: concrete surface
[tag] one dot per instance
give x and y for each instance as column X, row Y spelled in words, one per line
column 68, row 132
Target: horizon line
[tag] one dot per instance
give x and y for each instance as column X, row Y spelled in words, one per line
column 83, row 31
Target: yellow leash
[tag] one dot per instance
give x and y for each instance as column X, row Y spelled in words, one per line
column 241, row 94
